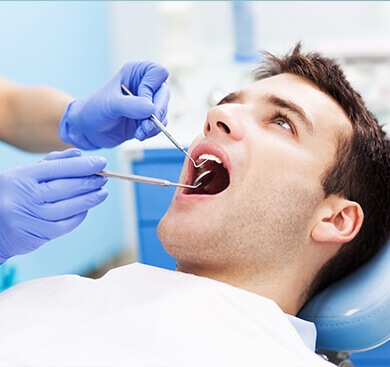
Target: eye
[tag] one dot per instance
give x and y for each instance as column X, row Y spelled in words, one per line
column 284, row 122
column 285, row 125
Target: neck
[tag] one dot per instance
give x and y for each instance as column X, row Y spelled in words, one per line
column 285, row 288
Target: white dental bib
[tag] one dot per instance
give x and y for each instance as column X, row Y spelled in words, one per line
column 139, row 315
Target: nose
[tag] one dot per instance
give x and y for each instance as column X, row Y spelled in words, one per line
column 225, row 120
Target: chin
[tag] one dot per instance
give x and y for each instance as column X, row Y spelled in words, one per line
column 180, row 239
column 166, row 234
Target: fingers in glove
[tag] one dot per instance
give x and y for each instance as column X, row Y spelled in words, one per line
column 65, row 168
column 131, row 107
column 161, row 100
column 62, row 189
column 48, row 230
column 147, row 129
column 68, row 153
column 68, row 208
column 155, row 75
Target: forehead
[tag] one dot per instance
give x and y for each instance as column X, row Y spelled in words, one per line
column 319, row 107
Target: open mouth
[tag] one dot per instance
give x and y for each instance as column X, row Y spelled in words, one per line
column 221, row 178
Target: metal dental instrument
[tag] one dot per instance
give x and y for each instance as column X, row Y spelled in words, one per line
column 161, row 126
column 148, row 180
column 204, row 179
column 201, row 180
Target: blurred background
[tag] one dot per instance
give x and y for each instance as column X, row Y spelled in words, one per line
column 210, row 49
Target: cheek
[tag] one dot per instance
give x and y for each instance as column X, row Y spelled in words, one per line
column 278, row 210
column 277, row 166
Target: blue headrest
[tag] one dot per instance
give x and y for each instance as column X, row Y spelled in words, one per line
column 354, row 314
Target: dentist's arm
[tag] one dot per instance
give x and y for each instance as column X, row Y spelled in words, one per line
column 40, row 119
column 29, row 116
column 46, row 200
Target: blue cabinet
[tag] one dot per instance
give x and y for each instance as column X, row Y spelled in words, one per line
column 153, row 201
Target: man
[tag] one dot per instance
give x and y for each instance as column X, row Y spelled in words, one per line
column 49, row 199
column 252, row 246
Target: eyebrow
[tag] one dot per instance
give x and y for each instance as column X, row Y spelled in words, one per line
column 292, row 107
column 236, row 97
column 233, row 97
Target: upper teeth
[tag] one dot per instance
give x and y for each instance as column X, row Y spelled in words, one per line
column 210, row 157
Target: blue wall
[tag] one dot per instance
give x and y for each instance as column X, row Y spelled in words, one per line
column 64, row 45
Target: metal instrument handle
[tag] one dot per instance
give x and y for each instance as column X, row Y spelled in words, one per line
column 144, row 179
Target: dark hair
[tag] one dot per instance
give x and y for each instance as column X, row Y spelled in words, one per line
column 361, row 171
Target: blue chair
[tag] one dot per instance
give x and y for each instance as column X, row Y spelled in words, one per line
column 353, row 315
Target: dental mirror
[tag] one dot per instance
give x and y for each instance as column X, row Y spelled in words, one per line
column 204, row 178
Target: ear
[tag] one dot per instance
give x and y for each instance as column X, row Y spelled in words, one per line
column 338, row 220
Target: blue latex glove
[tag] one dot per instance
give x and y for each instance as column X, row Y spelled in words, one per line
column 109, row 117
column 46, row 200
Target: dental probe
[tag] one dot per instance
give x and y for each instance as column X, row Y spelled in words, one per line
column 148, row 180
column 161, row 126
column 202, row 180
column 199, row 181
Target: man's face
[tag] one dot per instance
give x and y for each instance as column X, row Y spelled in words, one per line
column 275, row 139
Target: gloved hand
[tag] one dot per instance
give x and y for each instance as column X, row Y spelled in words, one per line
column 46, row 200
column 109, row 117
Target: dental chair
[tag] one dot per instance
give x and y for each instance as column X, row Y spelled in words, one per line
column 353, row 315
